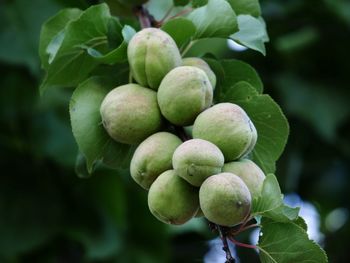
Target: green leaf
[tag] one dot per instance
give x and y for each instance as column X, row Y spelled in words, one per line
column 216, row 19
column 72, row 64
column 252, row 33
column 248, row 7
column 270, row 198
column 180, row 2
column 180, row 29
column 52, row 34
column 237, row 71
column 199, row 3
column 270, row 122
column 283, row 213
column 287, row 242
column 93, row 141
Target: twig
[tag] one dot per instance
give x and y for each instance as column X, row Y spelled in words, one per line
column 181, row 13
column 222, row 233
column 166, row 15
column 240, row 244
column 145, row 18
column 181, row 133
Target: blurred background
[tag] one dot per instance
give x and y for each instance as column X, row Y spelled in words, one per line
column 48, row 214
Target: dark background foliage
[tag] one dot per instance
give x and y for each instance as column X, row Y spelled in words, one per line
column 48, row 214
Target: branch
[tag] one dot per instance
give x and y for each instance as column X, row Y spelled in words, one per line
column 222, row 233
column 145, row 18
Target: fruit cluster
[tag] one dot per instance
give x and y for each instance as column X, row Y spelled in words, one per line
column 208, row 175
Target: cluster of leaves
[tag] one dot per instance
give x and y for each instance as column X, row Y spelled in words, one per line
column 87, row 50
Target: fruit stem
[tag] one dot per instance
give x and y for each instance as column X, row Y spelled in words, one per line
column 222, row 232
column 181, row 133
column 234, row 241
column 145, row 18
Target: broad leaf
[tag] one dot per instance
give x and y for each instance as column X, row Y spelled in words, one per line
column 270, row 198
column 93, row 141
column 236, row 71
column 52, row 34
column 180, row 29
column 270, row 203
column 248, row 7
column 180, row 2
column 85, row 41
column 287, row 242
column 271, row 124
column 252, row 33
column 216, row 19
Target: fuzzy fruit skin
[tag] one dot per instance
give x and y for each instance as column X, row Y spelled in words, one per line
column 172, row 200
column 152, row 53
column 153, row 157
column 227, row 126
column 183, row 94
column 200, row 63
column 196, row 159
column 130, row 113
column 249, row 172
column 225, row 199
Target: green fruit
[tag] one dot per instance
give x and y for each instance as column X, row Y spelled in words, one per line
column 225, row 199
column 130, row 113
column 200, row 63
column 172, row 200
column 153, row 157
column 183, row 94
column 249, row 172
column 227, row 126
column 152, row 53
column 196, row 159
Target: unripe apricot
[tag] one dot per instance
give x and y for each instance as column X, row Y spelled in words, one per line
column 183, row 94
column 227, row 126
column 152, row 53
column 225, row 199
column 249, row 172
column 200, row 63
column 153, row 157
column 172, row 200
column 197, row 159
column 130, row 113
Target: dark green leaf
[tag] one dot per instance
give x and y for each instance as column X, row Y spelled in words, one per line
column 270, row 198
column 92, row 139
column 180, row 29
column 286, row 243
column 199, row 3
column 283, row 213
column 270, row 122
column 252, row 33
column 52, row 34
column 236, row 71
column 72, row 63
column 216, row 19
column 248, row 7
column 180, row 2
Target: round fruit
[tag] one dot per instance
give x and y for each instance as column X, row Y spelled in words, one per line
column 172, row 200
column 200, row 63
column 130, row 113
column 152, row 53
column 183, row 94
column 249, row 172
column 197, row 159
column 225, row 199
column 227, row 126
column 153, row 157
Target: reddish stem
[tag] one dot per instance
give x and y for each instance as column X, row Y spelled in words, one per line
column 181, row 13
column 234, row 241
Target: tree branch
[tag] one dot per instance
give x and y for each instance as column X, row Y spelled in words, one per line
column 222, row 233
